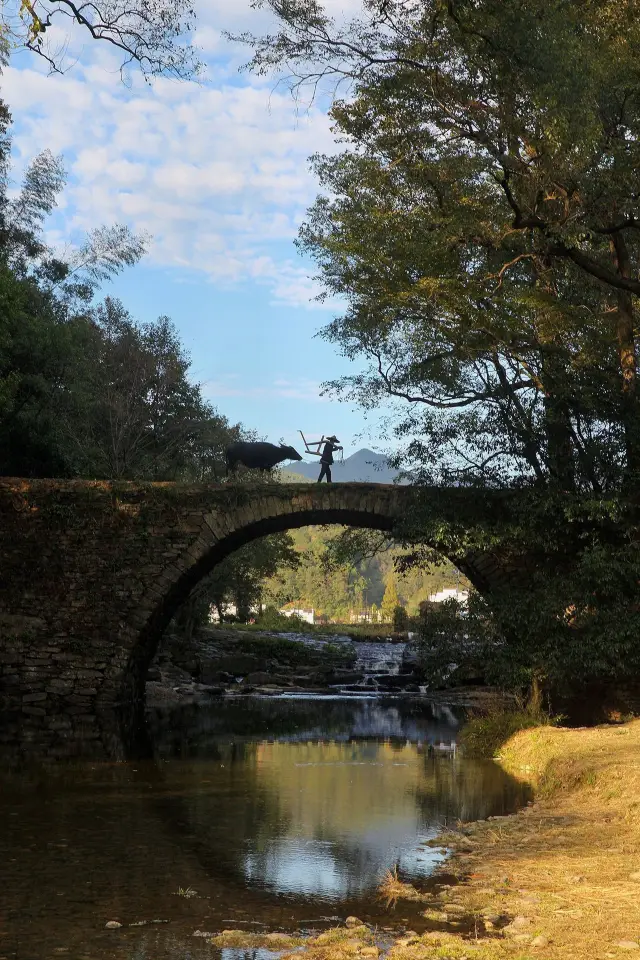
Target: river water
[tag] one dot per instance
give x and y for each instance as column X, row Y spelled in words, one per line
column 251, row 813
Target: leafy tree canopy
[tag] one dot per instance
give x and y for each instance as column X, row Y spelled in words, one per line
column 483, row 226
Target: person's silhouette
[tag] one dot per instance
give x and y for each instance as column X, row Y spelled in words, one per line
column 326, row 458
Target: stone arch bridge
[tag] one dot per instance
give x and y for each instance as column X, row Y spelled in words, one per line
column 92, row 572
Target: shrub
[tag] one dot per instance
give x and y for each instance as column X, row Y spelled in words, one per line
column 485, row 733
column 272, row 619
column 400, row 619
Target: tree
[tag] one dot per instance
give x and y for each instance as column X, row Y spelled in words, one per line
column 84, row 389
column 484, row 227
column 137, row 412
column 240, row 578
column 153, row 34
column 390, row 601
column 41, row 352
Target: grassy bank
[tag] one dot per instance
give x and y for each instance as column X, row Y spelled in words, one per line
column 559, row 880
column 562, row 878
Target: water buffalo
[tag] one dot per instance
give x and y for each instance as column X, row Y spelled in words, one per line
column 258, row 456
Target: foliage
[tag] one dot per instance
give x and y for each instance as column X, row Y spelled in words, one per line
column 239, row 579
column 456, row 643
column 390, row 600
column 271, row 619
column 343, row 571
column 482, row 225
column 153, row 35
column 484, row 734
column 139, row 415
column 400, row 619
column 570, row 614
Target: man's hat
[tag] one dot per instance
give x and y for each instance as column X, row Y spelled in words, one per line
column 335, row 439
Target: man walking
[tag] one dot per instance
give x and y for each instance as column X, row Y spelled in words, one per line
column 326, row 458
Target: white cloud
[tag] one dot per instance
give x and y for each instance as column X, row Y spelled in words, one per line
column 217, row 172
column 299, row 389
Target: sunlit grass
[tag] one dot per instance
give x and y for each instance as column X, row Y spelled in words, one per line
column 186, row 892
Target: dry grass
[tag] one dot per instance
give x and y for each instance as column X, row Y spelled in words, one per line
column 569, row 866
column 393, row 889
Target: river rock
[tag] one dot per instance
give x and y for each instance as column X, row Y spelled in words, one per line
column 522, row 938
column 259, row 678
column 540, row 941
column 353, row 922
column 112, row 925
column 517, row 925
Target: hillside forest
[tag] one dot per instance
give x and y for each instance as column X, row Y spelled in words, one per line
column 341, row 588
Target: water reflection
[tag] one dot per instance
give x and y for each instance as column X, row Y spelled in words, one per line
column 280, row 815
column 196, row 730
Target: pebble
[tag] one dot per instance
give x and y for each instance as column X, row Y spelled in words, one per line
column 112, row 925
column 353, row 922
column 627, row 945
column 540, row 941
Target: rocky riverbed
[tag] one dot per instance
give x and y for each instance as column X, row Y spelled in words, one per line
column 219, row 662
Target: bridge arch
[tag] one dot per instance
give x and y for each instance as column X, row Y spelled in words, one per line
column 93, row 571
column 220, row 536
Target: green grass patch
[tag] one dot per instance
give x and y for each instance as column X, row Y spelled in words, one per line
column 485, row 733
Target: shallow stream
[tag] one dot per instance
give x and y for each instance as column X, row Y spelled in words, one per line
column 253, row 813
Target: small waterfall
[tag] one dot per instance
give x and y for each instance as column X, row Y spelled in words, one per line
column 379, row 659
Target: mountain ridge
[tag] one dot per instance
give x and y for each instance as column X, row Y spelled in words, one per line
column 363, row 466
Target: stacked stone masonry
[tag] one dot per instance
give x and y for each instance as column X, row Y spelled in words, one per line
column 92, row 572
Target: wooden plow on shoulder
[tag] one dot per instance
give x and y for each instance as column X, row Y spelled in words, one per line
column 314, row 447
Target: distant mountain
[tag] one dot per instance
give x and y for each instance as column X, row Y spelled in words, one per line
column 364, row 466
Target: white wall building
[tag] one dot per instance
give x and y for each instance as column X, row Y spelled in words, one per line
column 449, row 593
column 309, row 616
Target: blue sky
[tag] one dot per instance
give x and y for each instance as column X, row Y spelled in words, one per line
column 217, row 173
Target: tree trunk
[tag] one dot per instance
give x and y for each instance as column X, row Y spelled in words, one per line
column 627, row 358
column 560, row 451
